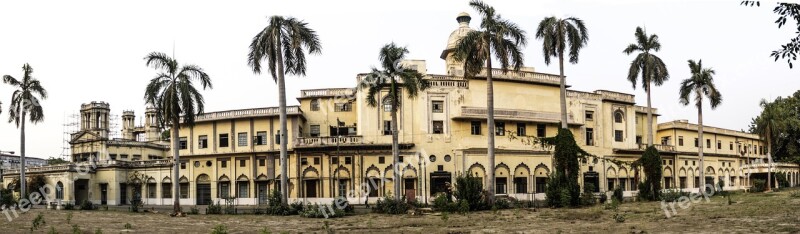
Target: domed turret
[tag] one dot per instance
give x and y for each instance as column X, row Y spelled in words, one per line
column 463, row 28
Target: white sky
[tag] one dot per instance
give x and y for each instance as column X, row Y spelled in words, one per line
column 86, row 51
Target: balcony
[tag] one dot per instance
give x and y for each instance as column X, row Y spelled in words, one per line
column 512, row 115
column 524, row 76
column 660, row 148
column 328, row 141
column 337, row 92
column 245, row 113
column 442, row 81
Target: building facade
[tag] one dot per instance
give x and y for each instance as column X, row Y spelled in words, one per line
column 341, row 146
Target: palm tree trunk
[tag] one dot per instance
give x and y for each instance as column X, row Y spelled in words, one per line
column 176, row 198
column 395, row 148
column 649, row 118
column 769, row 160
column 490, row 125
column 283, row 134
column 563, row 82
column 700, row 141
column 22, row 181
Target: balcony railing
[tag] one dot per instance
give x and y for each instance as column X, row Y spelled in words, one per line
column 245, row 113
column 513, row 114
column 615, row 96
column 326, row 92
column 766, row 165
column 329, row 141
column 526, row 76
column 448, row 83
column 660, row 148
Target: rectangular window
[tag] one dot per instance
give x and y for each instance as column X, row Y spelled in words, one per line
column 638, row 139
column 387, row 127
column 244, row 189
column 589, row 136
column 521, row 184
column 696, row 143
column 343, row 107
column 589, row 115
column 618, row 135
column 112, row 156
column 521, row 129
column 348, row 160
column 381, row 160
column 262, row 162
column 242, row 138
column 719, row 144
column 304, row 161
column 184, row 190
column 166, row 190
column 315, row 105
column 438, row 127
column 223, row 140
column 224, row 189
column 183, row 142
column 151, row 190
column 437, row 106
column 316, row 160
column 708, row 143
column 260, row 138
column 334, row 160
column 278, row 137
column 202, row 142
column 500, row 129
column 541, row 130
column 680, row 141
column 223, row 164
column 731, row 145
column 400, row 159
column 475, row 127
column 314, row 131
column 242, row 163
column 183, row 165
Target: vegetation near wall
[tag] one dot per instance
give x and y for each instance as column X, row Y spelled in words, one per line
column 650, row 189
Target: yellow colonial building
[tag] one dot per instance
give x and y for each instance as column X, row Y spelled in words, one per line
column 340, row 146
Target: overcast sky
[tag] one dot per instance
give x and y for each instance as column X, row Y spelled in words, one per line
column 86, row 51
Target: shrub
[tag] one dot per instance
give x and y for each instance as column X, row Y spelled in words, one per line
column 587, row 197
column 128, row 226
column 443, row 203
column 613, row 205
column 37, row 222
column 321, row 211
column 563, row 189
column 214, row 209
column 672, row 195
column 603, row 198
column 618, row 217
column 7, row 198
column 194, row 210
column 220, row 229
column 69, row 206
column 565, row 198
column 389, row 205
column 618, row 194
column 650, row 189
column 501, row 204
column 87, row 205
column 759, row 185
column 470, row 189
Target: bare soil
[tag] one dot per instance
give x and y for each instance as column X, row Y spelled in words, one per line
column 777, row 212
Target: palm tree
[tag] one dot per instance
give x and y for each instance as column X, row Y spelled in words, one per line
column 24, row 101
column 652, row 68
column 283, row 43
column 396, row 78
column 701, row 83
column 557, row 34
column 498, row 37
column 177, row 101
column 771, row 121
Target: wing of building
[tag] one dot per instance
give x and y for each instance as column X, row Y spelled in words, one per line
column 339, row 145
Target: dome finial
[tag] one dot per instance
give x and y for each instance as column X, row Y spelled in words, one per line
column 463, row 19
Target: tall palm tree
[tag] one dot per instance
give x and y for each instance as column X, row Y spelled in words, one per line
column 556, row 35
column 701, row 84
column 771, row 121
column 283, row 44
column 653, row 70
column 174, row 95
column 498, row 37
column 24, row 101
column 396, row 78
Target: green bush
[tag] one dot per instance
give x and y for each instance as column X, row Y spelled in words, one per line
column 759, row 185
column 38, row 222
column 87, row 205
column 565, row 198
column 214, row 209
column 619, row 194
column 443, row 203
column 220, row 229
column 501, row 204
column 563, row 189
column 194, row 210
column 587, row 197
column 7, row 198
column 650, row 189
column 470, row 189
column 672, row 195
column 389, row 205
column 69, row 206
column 322, row 211
column 780, row 177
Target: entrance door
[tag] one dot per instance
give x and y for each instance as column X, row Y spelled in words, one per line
column 103, row 194
column 591, row 181
column 311, row 188
column 123, row 194
column 411, row 192
column 440, row 181
column 262, row 192
column 203, row 194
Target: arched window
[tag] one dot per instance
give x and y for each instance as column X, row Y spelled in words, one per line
column 618, row 116
column 59, row 190
column 315, row 105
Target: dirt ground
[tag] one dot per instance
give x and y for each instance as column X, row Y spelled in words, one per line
column 748, row 213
